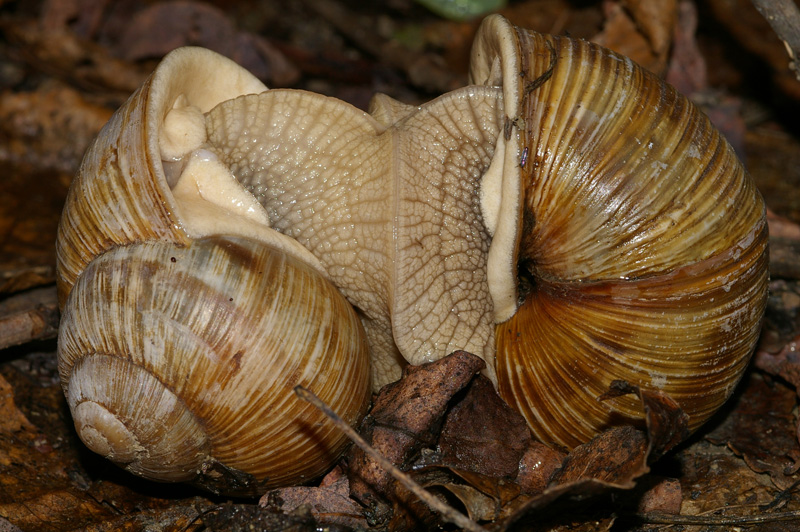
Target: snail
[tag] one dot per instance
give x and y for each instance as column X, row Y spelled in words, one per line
column 567, row 216
column 628, row 243
column 185, row 317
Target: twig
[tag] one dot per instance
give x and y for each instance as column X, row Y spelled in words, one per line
column 781, row 499
column 31, row 315
column 669, row 519
column 449, row 513
column 784, row 18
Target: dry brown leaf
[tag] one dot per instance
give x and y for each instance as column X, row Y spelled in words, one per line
column 536, row 467
column 662, row 495
column 782, row 227
column 83, row 16
column 81, row 63
column 479, row 507
column 482, row 433
column 49, row 128
column 616, row 456
column 245, row 517
column 780, row 329
column 667, row 424
column 656, row 20
column 557, row 17
column 162, row 27
column 11, row 419
column 405, row 417
column 761, row 429
column 30, row 206
column 687, row 67
column 773, row 159
column 716, row 482
column 329, row 503
column 642, row 42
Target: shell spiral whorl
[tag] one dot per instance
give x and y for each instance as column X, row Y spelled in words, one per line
column 164, row 387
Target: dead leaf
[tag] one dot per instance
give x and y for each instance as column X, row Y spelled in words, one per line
column 479, row 507
column 656, row 20
column 642, row 32
column 773, row 159
column 11, row 419
column 482, row 433
column 558, row 17
column 717, row 482
column 687, row 67
column 536, row 467
column 782, row 227
column 784, row 252
column 84, row 64
column 49, row 128
column 328, row 504
column 30, row 206
column 761, row 429
column 667, row 424
column 568, row 506
column 406, row 416
column 780, row 328
column 82, row 16
column 499, row 489
column 662, row 495
column 611, row 461
column 244, row 517
column 162, row 27
column 784, row 364
column 616, row 456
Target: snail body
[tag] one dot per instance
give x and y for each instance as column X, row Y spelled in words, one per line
column 568, row 217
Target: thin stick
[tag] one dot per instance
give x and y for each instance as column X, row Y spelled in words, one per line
column 450, row 514
column 28, row 316
column 784, row 17
column 668, row 519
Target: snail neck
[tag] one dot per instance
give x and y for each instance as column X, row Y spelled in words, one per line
column 318, row 168
column 387, row 202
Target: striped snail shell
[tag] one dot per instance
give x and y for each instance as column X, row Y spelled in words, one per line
column 628, row 240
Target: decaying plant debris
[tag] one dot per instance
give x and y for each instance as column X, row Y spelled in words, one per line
column 64, row 67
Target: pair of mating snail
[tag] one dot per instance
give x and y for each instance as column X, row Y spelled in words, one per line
column 568, row 217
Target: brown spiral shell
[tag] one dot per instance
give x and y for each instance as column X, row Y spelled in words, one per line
column 640, row 240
